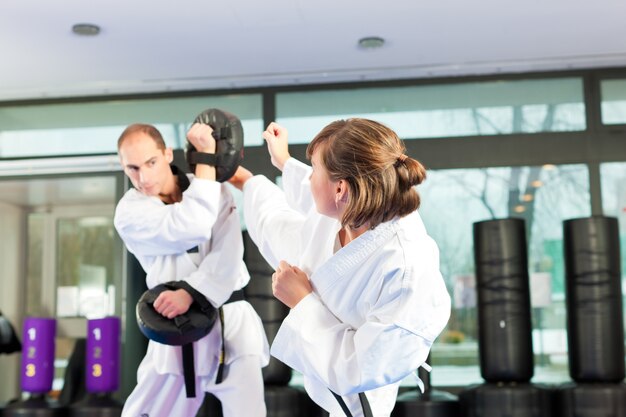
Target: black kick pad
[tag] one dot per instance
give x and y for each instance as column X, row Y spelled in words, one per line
column 228, row 134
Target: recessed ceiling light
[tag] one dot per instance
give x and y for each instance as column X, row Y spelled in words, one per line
column 371, row 42
column 86, row 29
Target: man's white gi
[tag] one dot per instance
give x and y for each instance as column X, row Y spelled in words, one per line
column 378, row 303
column 159, row 235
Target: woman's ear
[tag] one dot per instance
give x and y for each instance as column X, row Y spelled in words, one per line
column 341, row 191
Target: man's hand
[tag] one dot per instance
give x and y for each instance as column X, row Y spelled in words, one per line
column 276, row 137
column 201, row 137
column 290, row 284
column 173, row 303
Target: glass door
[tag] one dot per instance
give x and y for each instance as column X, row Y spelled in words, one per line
column 73, row 260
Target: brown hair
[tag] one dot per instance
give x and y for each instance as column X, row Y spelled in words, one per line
column 149, row 130
column 371, row 158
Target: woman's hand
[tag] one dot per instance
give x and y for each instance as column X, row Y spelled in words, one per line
column 290, row 284
column 240, row 177
column 276, row 137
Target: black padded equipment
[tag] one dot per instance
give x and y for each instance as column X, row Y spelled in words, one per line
column 271, row 311
column 281, row 400
column 96, row 405
column 591, row 400
column 9, row 342
column 286, row 401
column 503, row 293
column 181, row 330
column 35, row 406
column 508, row 399
column 593, row 297
column 430, row 403
column 228, row 134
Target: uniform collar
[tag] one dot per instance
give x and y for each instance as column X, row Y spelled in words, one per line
column 183, row 180
column 352, row 256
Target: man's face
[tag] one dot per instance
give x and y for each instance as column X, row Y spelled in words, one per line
column 145, row 164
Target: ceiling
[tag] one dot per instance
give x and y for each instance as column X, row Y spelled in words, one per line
column 156, row 46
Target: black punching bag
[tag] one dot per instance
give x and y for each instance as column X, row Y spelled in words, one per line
column 503, row 295
column 508, row 399
column 430, row 403
column 595, row 330
column 272, row 311
column 281, row 400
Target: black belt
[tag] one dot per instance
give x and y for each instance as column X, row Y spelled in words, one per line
column 367, row 411
column 237, row 295
column 189, row 372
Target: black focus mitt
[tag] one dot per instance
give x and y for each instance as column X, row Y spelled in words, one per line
column 228, row 134
column 182, row 329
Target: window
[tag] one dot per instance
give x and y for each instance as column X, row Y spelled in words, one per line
column 508, row 111
column 452, row 200
column 73, row 258
column 470, row 109
column 85, row 266
column 613, row 183
column 93, row 128
column 613, row 96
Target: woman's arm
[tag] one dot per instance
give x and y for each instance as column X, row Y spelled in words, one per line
column 347, row 360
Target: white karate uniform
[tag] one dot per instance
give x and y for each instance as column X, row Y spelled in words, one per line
column 377, row 304
column 159, row 235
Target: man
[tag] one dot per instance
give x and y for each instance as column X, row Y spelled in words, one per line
column 187, row 228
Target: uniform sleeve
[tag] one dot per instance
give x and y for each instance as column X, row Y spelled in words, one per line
column 274, row 226
column 150, row 228
column 222, row 271
column 297, row 185
column 347, row 360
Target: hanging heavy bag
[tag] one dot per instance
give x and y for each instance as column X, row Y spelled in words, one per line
column 503, row 294
column 271, row 311
column 228, row 134
column 9, row 343
column 181, row 330
column 593, row 298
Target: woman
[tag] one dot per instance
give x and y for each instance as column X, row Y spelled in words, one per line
column 353, row 262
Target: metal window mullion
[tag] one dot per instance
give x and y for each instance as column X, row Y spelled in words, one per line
column 595, row 189
column 48, row 273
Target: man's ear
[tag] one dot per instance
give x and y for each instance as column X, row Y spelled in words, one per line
column 169, row 155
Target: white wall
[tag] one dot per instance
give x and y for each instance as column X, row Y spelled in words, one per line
column 12, row 277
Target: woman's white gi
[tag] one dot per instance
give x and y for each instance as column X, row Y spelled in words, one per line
column 378, row 303
column 159, row 235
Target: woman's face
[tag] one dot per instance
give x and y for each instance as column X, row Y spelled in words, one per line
column 324, row 190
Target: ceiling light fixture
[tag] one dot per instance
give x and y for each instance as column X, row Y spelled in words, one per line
column 86, row 29
column 371, row 42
